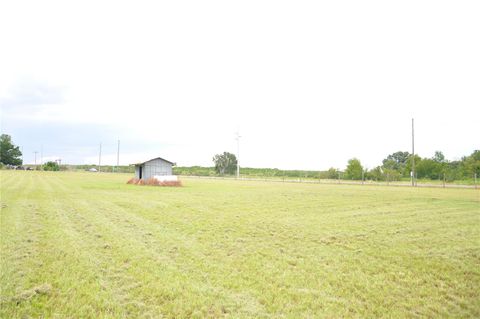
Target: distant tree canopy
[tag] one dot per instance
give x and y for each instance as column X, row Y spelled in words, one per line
column 472, row 163
column 399, row 164
column 439, row 157
column 394, row 167
column 354, row 169
column 51, row 166
column 225, row 163
column 9, row 153
column 332, row 173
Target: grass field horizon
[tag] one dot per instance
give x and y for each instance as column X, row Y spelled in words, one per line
column 83, row 245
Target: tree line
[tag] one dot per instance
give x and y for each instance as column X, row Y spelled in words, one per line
column 399, row 165
column 395, row 167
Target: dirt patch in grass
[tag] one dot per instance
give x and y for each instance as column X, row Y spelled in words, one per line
column 43, row 289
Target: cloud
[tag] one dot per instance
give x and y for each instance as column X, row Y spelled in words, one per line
column 309, row 85
column 31, row 95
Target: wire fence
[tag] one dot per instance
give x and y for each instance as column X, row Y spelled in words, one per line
column 335, row 182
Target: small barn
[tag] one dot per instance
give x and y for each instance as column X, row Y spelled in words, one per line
column 154, row 167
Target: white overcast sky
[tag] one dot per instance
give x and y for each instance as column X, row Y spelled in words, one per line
column 309, row 84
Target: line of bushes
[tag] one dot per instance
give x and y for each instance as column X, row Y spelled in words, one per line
column 395, row 167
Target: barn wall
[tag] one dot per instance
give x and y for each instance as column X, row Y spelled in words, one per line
column 137, row 171
column 156, row 167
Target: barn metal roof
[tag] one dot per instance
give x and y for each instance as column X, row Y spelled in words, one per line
column 137, row 164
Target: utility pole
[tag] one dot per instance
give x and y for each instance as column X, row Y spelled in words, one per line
column 41, row 157
column 413, row 155
column 35, row 159
column 118, row 154
column 238, row 154
column 100, row 157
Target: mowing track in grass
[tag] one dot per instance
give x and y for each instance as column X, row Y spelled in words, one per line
column 89, row 245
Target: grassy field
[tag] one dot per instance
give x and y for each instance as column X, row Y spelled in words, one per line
column 85, row 245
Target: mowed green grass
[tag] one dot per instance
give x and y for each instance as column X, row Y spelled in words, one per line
column 83, row 245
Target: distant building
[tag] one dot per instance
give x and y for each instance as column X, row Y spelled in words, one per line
column 154, row 167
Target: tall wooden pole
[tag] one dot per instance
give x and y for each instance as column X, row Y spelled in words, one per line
column 100, row 157
column 118, row 153
column 238, row 154
column 413, row 154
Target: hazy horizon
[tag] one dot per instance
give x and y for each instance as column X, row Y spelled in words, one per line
column 308, row 85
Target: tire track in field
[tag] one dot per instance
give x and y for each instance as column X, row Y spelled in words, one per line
column 392, row 213
column 397, row 265
column 21, row 226
column 92, row 251
column 170, row 251
column 115, row 275
column 9, row 183
column 57, row 246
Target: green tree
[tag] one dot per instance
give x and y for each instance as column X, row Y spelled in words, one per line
column 354, row 169
column 332, row 173
column 441, row 167
column 427, row 168
column 51, row 166
column 9, row 153
column 439, row 157
column 408, row 165
column 431, row 168
column 225, row 163
column 391, row 175
column 455, row 170
column 472, row 164
column 397, row 161
column 375, row 174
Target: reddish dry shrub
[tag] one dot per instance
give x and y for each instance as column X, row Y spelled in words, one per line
column 151, row 182
column 154, row 182
column 133, row 180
